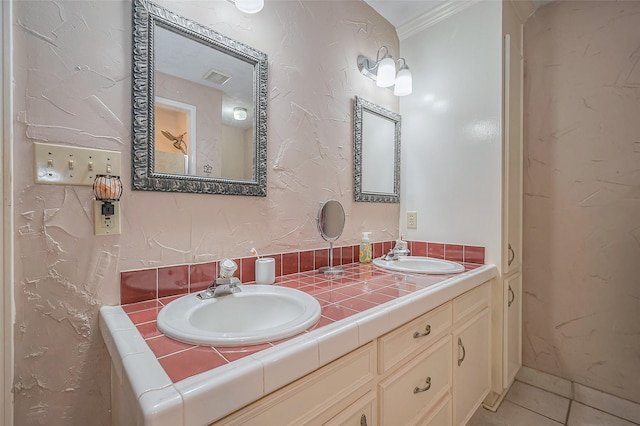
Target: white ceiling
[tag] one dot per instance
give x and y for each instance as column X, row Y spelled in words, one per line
column 400, row 12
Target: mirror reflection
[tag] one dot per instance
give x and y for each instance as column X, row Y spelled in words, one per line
column 376, row 153
column 199, row 107
column 196, row 130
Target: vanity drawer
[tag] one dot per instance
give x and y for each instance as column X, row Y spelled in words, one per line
column 471, row 302
column 315, row 398
column 360, row 413
column 409, row 394
column 413, row 336
column 441, row 414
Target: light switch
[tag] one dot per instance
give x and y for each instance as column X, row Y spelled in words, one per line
column 71, row 165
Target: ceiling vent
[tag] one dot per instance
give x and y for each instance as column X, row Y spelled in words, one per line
column 216, row 77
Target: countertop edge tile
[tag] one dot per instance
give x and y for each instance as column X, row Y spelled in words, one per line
column 198, row 392
column 337, row 342
column 288, row 361
column 161, row 407
column 120, row 336
column 145, row 373
column 373, row 326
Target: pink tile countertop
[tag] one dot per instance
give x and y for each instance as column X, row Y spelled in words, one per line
column 175, row 383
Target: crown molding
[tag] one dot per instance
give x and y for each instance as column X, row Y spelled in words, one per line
column 433, row 16
column 525, row 8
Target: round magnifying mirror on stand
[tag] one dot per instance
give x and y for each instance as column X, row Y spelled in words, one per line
column 331, row 224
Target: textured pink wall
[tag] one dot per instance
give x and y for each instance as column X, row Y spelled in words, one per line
column 582, row 194
column 72, row 85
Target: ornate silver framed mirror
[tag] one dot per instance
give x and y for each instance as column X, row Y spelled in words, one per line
column 199, row 107
column 376, row 163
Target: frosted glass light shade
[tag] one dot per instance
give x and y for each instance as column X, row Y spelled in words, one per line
column 404, row 83
column 386, row 73
column 239, row 113
column 250, row 6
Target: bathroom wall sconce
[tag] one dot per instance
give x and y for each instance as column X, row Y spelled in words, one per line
column 383, row 72
column 240, row 113
column 248, row 6
column 106, row 208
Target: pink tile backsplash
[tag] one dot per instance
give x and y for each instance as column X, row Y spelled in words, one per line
column 377, row 250
column 306, row 261
column 419, row 248
column 147, row 285
column 321, row 258
column 248, row 267
column 290, row 264
column 435, row 250
column 173, row 280
column 453, row 252
column 474, row 254
column 201, row 275
column 136, row 286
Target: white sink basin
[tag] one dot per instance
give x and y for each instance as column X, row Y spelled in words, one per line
column 424, row 265
column 257, row 314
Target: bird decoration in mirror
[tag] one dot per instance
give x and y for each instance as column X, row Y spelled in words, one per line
column 178, row 141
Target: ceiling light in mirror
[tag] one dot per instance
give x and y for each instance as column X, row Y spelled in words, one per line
column 239, row 113
column 249, row 6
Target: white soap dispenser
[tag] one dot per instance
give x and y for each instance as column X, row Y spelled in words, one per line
column 366, row 253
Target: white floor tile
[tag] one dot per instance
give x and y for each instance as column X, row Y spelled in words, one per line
column 581, row 415
column 510, row 414
column 545, row 381
column 546, row 403
column 609, row 403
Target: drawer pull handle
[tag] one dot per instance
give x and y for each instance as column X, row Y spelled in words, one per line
column 427, row 331
column 464, row 352
column 512, row 256
column 363, row 420
column 512, row 297
column 424, row 389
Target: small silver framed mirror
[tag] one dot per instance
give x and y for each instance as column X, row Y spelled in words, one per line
column 331, row 224
column 376, row 162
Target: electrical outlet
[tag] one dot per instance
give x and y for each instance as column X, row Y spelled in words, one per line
column 412, row 220
column 106, row 217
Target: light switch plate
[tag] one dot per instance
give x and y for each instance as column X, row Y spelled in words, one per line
column 71, row 165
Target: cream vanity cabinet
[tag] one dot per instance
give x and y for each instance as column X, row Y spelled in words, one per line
column 334, row 389
column 434, row 370
column 507, row 296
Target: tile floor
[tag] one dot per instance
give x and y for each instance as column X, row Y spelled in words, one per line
column 527, row 405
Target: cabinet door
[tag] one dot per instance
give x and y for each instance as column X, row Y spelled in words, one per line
column 360, row 413
column 513, row 328
column 513, row 135
column 471, row 366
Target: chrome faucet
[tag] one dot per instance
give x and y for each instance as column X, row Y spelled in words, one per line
column 221, row 287
column 400, row 249
column 225, row 285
